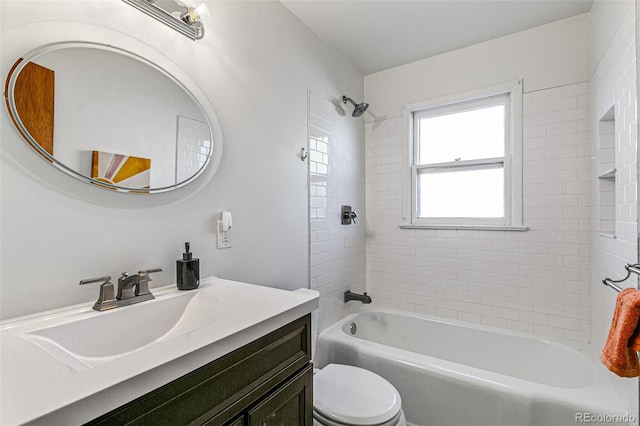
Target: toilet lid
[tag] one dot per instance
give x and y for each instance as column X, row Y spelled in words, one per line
column 354, row 396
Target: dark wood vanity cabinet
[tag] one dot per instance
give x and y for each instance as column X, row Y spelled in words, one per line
column 266, row 382
column 291, row 404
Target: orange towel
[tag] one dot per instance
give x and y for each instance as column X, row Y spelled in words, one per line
column 619, row 352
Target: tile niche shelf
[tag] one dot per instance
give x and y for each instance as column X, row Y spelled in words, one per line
column 607, row 186
column 607, row 175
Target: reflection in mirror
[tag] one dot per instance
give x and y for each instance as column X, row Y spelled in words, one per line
column 109, row 117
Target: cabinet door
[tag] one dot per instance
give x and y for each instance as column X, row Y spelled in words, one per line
column 237, row 422
column 291, row 404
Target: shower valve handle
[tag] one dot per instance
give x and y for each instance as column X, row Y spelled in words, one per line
column 353, row 216
column 348, row 215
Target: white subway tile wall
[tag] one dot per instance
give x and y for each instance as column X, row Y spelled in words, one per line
column 535, row 281
column 193, row 146
column 613, row 86
column 336, row 178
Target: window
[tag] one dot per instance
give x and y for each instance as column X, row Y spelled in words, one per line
column 466, row 168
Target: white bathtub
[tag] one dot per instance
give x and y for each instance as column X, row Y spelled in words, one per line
column 459, row 374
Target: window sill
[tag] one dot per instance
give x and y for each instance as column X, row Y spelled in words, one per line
column 518, row 228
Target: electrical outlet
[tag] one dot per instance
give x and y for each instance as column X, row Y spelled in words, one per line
column 224, row 237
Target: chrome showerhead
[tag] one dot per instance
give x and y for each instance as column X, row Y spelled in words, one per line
column 359, row 108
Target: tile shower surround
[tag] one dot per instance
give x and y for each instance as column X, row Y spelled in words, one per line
column 613, row 84
column 545, row 281
column 336, row 178
column 535, row 281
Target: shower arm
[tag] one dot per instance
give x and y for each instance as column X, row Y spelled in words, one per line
column 358, row 109
column 345, row 99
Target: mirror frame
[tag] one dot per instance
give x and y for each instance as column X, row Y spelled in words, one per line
column 184, row 82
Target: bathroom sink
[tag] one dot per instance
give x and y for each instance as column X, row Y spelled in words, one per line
column 94, row 361
column 99, row 337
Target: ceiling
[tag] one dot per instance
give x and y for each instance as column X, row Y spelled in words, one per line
column 376, row 35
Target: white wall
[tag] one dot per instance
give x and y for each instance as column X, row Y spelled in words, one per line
column 535, row 281
column 255, row 64
column 547, row 56
column 614, row 84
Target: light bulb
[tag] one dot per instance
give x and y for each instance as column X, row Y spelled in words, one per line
column 202, row 10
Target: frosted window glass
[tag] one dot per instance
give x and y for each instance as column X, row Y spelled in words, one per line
column 466, row 135
column 461, row 193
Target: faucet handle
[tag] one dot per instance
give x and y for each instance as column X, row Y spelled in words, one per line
column 143, row 285
column 106, row 299
column 104, row 280
column 150, row 271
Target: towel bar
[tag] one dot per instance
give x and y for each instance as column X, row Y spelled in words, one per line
column 630, row 267
column 610, row 283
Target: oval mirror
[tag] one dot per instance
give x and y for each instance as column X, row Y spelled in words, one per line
column 110, row 118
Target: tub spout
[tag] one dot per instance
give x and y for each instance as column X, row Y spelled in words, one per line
column 348, row 295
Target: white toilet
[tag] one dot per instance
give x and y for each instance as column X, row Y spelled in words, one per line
column 347, row 395
column 344, row 395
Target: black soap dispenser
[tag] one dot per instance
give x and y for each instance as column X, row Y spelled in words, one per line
column 188, row 270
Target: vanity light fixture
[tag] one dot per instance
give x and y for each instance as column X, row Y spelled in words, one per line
column 182, row 16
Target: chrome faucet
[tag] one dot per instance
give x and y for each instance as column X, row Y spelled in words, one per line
column 364, row 298
column 132, row 288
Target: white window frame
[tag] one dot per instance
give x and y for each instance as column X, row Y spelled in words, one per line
column 512, row 160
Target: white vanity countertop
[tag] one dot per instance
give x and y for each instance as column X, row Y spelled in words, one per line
column 43, row 386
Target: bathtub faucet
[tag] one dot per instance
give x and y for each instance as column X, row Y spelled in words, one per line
column 348, row 295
